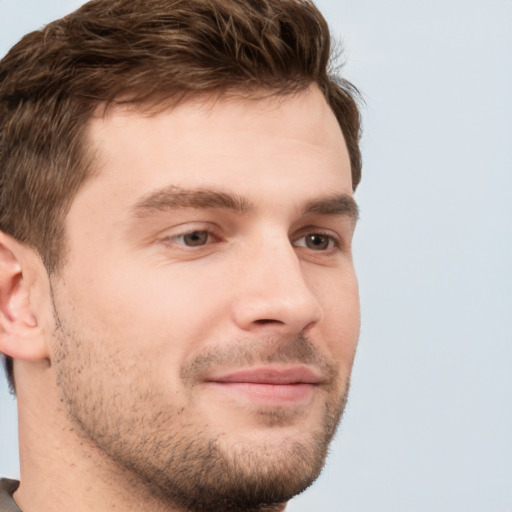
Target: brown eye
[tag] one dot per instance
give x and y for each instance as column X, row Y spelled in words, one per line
column 317, row 242
column 195, row 238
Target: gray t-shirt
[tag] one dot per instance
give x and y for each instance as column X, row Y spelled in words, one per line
column 7, row 488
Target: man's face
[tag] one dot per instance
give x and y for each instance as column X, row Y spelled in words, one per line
column 207, row 313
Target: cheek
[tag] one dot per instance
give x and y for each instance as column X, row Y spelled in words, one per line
column 341, row 321
column 162, row 313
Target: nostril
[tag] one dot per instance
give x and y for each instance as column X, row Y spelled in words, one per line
column 265, row 321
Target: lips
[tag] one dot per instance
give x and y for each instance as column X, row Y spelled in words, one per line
column 271, row 376
column 272, row 386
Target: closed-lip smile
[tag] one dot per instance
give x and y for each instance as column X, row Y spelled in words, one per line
column 268, row 384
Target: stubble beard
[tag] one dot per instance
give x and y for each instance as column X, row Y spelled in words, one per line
column 180, row 463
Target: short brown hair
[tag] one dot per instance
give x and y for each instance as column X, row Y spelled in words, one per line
column 141, row 52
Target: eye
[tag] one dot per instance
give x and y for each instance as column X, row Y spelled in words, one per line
column 193, row 238
column 316, row 242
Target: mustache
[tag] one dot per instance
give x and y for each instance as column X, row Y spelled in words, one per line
column 249, row 352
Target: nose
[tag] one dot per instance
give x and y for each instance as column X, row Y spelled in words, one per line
column 273, row 294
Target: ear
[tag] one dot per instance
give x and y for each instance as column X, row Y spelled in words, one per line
column 20, row 333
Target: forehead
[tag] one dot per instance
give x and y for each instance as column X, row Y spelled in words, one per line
column 239, row 143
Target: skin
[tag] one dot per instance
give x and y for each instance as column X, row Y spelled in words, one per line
column 206, row 315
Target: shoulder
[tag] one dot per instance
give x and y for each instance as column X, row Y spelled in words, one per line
column 7, row 488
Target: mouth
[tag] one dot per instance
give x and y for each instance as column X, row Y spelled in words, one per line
column 268, row 385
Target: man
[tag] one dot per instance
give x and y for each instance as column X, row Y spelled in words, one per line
column 178, row 304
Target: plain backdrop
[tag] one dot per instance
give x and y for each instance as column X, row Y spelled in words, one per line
column 428, row 427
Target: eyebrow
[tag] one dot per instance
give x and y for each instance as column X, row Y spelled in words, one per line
column 173, row 197
column 342, row 204
column 176, row 197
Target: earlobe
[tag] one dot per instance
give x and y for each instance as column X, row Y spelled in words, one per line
column 20, row 335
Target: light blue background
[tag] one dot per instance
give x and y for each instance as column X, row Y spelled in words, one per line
column 429, row 423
